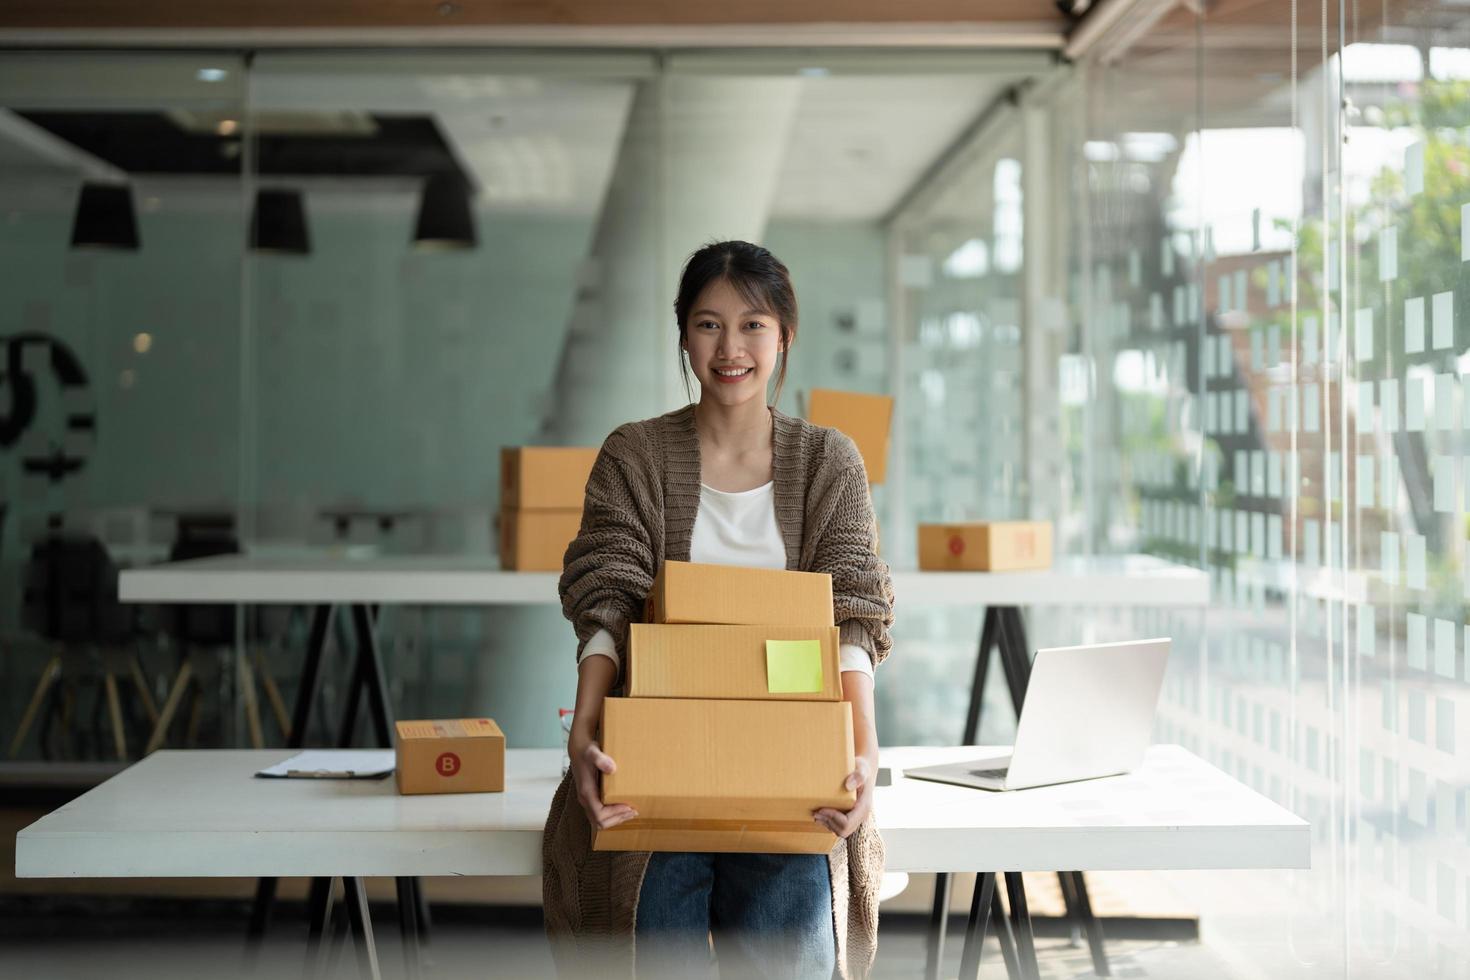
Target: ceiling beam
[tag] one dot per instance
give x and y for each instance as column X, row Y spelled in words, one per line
column 967, row 35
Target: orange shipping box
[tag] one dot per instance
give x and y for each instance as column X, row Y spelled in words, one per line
column 544, row 477
column 461, row 755
column 865, row 419
column 987, row 546
column 783, row 663
column 725, row 775
column 536, row 540
column 731, row 595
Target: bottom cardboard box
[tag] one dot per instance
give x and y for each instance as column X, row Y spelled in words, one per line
column 725, row 776
column 726, row 837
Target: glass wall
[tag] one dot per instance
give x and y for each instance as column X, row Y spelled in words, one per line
column 356, row 276
column 1264, row 319
column 122, row 231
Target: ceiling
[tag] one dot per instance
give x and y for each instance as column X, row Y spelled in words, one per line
column 538, row 141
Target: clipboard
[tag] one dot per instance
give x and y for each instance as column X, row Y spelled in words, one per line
column 333, row 764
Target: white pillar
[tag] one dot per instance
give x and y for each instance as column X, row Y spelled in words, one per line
column 699, row 162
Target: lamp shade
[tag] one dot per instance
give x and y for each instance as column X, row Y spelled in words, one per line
column 445, row 221
column 278, row 224
column 105, row 218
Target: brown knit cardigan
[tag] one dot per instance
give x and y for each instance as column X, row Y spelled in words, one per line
column 641, row 501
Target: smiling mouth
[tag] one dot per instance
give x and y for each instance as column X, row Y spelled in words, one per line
column 733, row 372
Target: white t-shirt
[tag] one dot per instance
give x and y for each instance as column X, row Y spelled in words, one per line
column 736, row 529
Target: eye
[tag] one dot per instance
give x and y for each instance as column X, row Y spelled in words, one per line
column 707, row 323
column 756, row 324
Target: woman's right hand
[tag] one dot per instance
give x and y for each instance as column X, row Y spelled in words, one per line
column 589, row 762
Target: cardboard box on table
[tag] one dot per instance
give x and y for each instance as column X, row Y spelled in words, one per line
column 796, row 663
column 460, row 755
column 725, row 776
column 865, row 419
column 985, row 546
column 732, row 595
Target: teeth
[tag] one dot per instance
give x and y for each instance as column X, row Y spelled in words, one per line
column 732, row 372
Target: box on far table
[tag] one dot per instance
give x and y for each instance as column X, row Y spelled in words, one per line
column 727, row 776
column 732, row 595
column 544, row 477
column 536, row 540
column 792, row 663
column 459, row 755
column 985, row 546
column 865, row 419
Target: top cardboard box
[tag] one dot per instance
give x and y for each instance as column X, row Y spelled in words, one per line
column 865, row 419
column 731, row 595
column 544, row 477
column 993, row 546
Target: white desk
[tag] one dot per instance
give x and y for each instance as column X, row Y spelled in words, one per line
column 203, row 814
column 1124, row 580
column 1073, row 580
column 307, row 579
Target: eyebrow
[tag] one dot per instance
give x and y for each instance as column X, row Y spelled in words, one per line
column 715, row 313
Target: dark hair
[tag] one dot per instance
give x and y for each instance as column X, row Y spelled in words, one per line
column 759, row 278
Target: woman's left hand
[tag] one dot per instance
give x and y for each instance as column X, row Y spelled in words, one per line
column 843, row 824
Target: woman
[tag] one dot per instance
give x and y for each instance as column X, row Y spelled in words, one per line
column 729, row 480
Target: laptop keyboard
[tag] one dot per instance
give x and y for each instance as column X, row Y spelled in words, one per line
column 990, row 773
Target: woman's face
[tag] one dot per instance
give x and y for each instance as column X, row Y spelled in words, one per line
column 732, row 348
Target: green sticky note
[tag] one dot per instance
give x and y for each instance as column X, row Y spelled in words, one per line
column 793, row 666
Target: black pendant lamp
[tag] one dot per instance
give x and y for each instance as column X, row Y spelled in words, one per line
column 278, row 225
column 105, row 218
column 445, row 221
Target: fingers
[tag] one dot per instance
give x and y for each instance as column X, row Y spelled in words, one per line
column 598, row 759
column 610, row 816
column 834, row 820
column 589, row 790
column 603, row 816
column 858, row 778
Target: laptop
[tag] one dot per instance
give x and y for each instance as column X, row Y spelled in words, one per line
column 1089, row 712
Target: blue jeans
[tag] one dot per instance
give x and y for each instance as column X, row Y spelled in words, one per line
column 771, row 916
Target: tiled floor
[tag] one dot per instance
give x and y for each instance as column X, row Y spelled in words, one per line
column 173, row 929
column 73, row 939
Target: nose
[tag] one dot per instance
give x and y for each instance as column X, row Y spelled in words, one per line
column 727, row 346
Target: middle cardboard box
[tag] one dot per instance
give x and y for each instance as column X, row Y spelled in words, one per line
column 782, row 663
column 726, row 776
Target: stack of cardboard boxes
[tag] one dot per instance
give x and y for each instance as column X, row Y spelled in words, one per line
column 541, row 494
column 734, row 729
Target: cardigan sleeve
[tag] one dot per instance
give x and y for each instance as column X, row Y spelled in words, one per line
column 847, row 548
column 608, row 568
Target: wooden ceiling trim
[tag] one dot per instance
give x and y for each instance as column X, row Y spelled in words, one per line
column 359, row 14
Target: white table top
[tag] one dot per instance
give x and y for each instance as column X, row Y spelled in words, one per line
column 201, row 813
column 1125, row 580
column 1073, row 580
column 409, row 579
